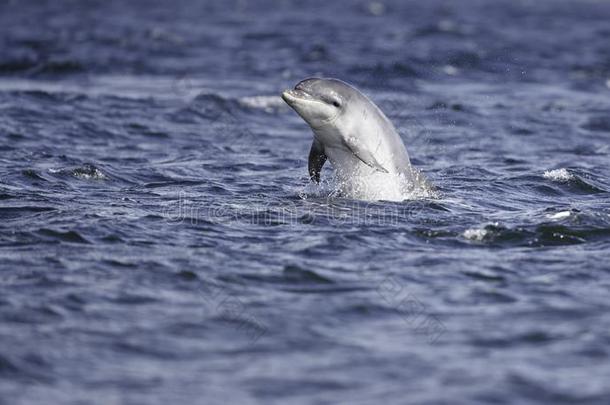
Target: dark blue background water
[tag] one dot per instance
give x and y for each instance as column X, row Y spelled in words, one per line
column 159, row 243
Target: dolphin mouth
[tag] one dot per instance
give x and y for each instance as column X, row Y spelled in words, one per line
column 294, row 95
column 297, row 94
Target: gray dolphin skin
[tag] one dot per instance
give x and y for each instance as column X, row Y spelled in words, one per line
column 349, row 130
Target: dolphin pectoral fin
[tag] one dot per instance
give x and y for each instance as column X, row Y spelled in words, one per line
column 364, row 154
column 317, row 157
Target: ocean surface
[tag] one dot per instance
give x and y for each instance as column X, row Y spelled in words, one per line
column 160, row 243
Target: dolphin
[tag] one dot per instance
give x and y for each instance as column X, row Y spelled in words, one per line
column 353, row 133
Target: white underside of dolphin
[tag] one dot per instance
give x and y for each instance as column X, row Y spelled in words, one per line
column 369, row 157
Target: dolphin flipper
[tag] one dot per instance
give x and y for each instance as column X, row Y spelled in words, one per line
column 363, row 153
column 317, row 157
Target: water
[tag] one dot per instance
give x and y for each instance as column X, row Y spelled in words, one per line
column 159, row 241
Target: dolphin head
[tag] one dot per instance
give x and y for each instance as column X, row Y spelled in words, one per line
column 318, row 101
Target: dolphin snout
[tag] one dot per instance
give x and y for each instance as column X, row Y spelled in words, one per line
column 291, row 96
column 286, row 96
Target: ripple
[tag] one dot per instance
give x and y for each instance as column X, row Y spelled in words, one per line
column 11, row 212
column 546, row 234
column 63, row 236
column 298, row 275
column 576, row 182
column 85, row 172
column 598, row 124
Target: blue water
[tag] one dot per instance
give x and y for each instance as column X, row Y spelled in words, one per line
column 159, row 241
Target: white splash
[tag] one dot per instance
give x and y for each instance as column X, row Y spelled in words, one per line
column 559, row 215
column 85, row 173
column 373, row 187
column 476, row 234
column 96, row 174
column 383, row 186
column 561, row 175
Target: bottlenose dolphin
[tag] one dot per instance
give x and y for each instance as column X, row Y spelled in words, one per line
column 355, row 135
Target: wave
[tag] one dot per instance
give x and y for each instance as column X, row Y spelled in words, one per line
column 574, row 180
column 560, row 175
column 575, row 229
column 85, row 172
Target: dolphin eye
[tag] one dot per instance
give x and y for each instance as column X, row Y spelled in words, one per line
column 332, row 100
